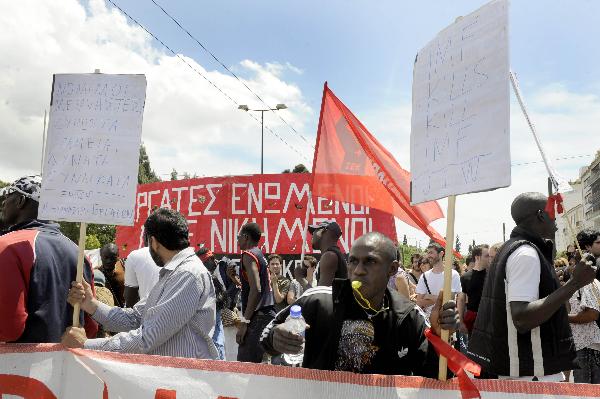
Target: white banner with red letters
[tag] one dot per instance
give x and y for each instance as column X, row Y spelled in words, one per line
column 47, row 371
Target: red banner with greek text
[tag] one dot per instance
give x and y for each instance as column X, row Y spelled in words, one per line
column 217, row 207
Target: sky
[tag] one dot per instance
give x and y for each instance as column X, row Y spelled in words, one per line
column 285, row 51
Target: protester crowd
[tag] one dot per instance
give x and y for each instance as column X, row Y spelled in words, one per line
column 517, row 309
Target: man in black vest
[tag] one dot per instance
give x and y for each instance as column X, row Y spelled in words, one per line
column 332, row 264
column 522, row 329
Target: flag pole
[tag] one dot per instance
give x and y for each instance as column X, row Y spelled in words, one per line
column 312, row 177
column 447, row 293
column 305, row 231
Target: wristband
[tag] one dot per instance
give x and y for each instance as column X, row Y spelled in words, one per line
column 244, row 320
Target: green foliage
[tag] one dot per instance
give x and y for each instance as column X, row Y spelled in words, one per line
column 92, row 242
column 174, row 175
column 145, row 172
column 103, row 233
column 300, row 168
column 407, row 251
column 457, row 244
column 3, row 184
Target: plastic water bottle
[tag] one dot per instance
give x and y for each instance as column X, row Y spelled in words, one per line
column 297, row 325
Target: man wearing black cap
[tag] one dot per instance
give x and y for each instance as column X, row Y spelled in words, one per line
column 37, row 265
column 332, row 264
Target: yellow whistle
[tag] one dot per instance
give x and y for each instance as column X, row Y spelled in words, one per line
column 356, row 285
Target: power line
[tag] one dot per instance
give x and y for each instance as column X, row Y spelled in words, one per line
column 204, row 77
column 555, row 159
column 229, row 70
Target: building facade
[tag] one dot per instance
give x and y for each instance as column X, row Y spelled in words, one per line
column 590, row 179
column 573, row 211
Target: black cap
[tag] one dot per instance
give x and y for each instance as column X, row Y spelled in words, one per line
column 327, row 225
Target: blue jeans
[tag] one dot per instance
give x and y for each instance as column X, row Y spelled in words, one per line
column 219, row 337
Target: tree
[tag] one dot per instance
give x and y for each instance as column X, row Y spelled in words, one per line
column 300, row 168
column 173, row 174
column 404, row 240
column 145, row 172
column 186, row 175
column 103, row 233
column 92, row 242
column 407, row 251
column 457, row 244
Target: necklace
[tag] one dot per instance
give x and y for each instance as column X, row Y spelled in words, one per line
column 367, row 308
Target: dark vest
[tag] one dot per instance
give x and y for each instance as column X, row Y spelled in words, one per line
column 489, row 342
column 266, row 300
column 342, row 267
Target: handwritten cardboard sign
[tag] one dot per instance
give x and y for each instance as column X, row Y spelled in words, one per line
column 92, row 152
column 460, row 137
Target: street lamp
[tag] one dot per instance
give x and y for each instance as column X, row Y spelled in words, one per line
column 278, row 107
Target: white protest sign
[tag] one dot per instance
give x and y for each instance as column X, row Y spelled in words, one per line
column 92, row 151
column 460, row 137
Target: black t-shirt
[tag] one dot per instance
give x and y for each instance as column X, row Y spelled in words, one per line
column 363, row 345
column 472, row 285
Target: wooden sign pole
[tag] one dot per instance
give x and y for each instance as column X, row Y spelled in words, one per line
column 79, row 278
column 80, row 258
column 443, row 365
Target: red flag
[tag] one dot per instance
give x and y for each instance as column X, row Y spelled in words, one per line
column 350, row 165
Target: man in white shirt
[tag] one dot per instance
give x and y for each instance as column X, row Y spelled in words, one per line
column 432, row 281
column 141, row 275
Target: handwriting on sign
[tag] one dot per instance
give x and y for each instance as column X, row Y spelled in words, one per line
column 91, row 158
column 459, row 137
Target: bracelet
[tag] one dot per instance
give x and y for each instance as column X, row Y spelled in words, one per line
column 244, row 320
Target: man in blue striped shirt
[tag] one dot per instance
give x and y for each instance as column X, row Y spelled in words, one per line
column 177, row 319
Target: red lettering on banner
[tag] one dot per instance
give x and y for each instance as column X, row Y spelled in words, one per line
column 217, row 207
column 25, row 387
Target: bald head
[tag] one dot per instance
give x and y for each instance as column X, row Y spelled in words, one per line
column 109, row 254
column 380, row 243
column 527, row 204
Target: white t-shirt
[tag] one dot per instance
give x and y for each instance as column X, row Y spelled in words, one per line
column 523, row 275
column 141, row 271
column 435, row 281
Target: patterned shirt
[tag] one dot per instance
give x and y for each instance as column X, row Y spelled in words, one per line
column 586, row 335
column 178, row 318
